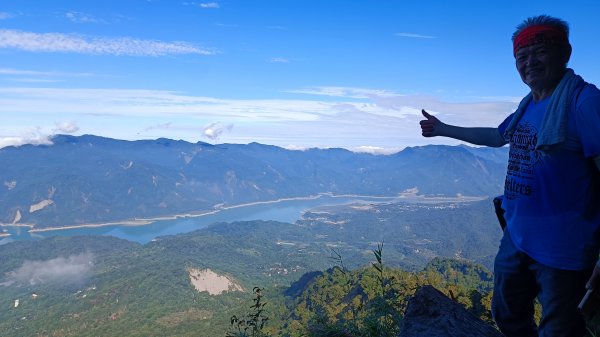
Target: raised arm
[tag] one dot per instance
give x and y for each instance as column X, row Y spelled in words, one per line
column 431, row 127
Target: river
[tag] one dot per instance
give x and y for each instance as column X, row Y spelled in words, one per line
column 284, row 211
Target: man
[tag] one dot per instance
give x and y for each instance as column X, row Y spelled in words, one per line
column 552, row 187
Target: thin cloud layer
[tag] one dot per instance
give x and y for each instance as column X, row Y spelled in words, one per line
column 70, row 43
column 279, row 60
column 5, row 15
column 79, row 17
column 475, row 109
column 163, row 126
column 365, row 120
column 209, row 5
column 34, row 80
column 9, row 71
column 151, row 103
column 346, row 92
column 73, row 269
column 416, row 36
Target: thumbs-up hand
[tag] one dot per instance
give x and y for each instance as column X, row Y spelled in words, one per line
column 429, row 126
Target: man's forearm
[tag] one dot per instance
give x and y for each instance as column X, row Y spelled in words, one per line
column 478, row 136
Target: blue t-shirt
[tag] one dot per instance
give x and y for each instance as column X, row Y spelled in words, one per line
column 552, row 199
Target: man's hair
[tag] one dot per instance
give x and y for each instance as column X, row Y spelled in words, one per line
column 546, row 20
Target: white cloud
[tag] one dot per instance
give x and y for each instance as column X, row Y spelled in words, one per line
column 417, row 36
column 295, row 147
column 79, row 17
column 61, row 270
column 66, row 127
column 39, row 135
column 209, row 5
column 5, row 15
column 214, row 130
column 279, row 60
column 70, row 43
column 375, row 149
column 33, row 136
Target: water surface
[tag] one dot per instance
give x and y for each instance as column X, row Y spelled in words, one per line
column 284, row 211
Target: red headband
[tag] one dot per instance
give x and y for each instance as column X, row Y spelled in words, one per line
column 539, row 34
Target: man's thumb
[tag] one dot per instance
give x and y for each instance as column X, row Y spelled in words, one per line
column 426, row 114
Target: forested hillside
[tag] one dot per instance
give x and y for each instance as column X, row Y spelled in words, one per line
column 91, row 286
column 124, row 289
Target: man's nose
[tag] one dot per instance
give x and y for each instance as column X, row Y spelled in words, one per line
column 530, row 60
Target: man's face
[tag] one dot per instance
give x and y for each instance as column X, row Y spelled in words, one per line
column 541, row 65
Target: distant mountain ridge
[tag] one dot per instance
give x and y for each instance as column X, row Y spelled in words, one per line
column 91, row 179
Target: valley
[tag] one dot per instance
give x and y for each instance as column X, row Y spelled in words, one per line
column 155, row 238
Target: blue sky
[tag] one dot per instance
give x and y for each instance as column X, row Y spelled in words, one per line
column 296, row 74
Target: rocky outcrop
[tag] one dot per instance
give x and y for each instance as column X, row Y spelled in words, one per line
column 430, row 313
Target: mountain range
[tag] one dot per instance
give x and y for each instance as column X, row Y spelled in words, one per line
column 90, row 179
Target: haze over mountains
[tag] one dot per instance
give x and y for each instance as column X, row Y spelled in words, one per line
column 90, row 179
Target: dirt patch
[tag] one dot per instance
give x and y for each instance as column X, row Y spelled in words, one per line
column 40, row 205
column 213, row 283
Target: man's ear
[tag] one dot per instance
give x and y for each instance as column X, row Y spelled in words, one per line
column 567, row 52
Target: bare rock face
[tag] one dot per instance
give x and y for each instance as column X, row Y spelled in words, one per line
column 430, row 313
column 211, row 282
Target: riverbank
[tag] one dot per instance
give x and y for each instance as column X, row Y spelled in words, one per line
column 147, row 221
column 411, row 196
